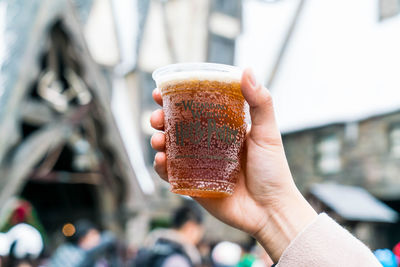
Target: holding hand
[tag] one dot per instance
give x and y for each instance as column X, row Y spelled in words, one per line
column 266, row 202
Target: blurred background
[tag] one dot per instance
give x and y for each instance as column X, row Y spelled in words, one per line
column 75, row 103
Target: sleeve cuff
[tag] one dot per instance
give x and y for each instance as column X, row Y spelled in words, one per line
column 325, row 243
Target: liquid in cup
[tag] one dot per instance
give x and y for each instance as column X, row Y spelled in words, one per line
column 204, row 112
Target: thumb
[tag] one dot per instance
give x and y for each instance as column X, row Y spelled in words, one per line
column 264, row 130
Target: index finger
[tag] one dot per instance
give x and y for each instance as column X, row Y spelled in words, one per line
column 157, row 96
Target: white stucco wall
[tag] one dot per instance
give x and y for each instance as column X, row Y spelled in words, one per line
column 342, row 63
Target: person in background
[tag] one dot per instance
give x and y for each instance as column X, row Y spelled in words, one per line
column 253, row 255
column 18, row 211
column 226, row 254
column 85, row 248
column 174, row 247
column 20, row 263
column 204, row 248
column 266, row 203
column 248, row 257
column 386, row 257
column 22, row 245
column 263, row 259
column 396, row 251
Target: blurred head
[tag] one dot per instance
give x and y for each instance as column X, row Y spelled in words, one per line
column 386, row 257
column 23, row 263
column 5, row 244
column 226, row 254
column 22, row 212
column 188, row 221
column 248, row 245
column 86, row 236
column 25, row 242
column 396, row 251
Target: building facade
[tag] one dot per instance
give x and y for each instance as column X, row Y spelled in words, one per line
column 60, row 149
column 363, row 153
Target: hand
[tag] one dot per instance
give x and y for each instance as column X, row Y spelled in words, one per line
column 266, row 202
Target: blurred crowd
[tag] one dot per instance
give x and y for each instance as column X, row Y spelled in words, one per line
column 389, row 257
column 24, row 243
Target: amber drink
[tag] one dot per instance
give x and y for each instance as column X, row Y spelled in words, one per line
column 204, row 126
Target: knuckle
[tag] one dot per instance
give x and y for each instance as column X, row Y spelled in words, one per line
column 152, row 141
column 155, row 112
column 267, row 97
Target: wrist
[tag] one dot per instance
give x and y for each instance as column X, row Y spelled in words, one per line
column 284, row 222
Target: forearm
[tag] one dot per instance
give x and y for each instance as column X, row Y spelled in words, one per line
column 285, row 222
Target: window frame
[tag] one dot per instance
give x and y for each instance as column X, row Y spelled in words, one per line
column 212, row 37
column 392, row 127
column 319, row 138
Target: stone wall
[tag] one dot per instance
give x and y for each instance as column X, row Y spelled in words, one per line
column 367, row 160
column 366, row 157
column 301, row 153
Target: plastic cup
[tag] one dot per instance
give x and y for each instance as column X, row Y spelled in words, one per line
column 205, row 126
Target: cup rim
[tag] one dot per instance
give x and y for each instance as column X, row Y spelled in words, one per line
column 195, row 66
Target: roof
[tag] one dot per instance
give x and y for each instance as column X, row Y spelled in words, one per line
column 333, row 70
column 378, row 115
column 26, row 29
column 354, row 203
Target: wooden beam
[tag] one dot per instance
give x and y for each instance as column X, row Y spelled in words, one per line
column 28, row 154
column 285, row 44
column 36, row 112
column 94, row 178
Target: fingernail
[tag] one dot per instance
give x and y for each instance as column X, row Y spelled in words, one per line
column 252, row 78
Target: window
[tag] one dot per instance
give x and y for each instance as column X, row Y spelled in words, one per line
column 228, row 7
column 221, row 49
column 224, row 27
column 351, row 133
column 388, row 8
column 394, row 140
column 328, row 150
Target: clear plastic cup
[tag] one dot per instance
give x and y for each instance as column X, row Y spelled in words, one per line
column 205, row 127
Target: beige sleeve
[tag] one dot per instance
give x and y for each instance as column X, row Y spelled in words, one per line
column 326, row 243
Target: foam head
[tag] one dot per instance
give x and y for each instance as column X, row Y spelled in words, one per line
column 196, row 71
